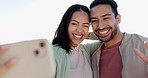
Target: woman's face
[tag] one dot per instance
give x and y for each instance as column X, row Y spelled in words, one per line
column 78, row 27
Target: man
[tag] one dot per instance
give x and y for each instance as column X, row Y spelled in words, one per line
column 116, row 56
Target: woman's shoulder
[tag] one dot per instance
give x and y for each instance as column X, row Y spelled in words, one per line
column 58, row 50
column 90, row 46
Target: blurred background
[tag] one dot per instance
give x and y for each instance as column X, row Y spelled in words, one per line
column 32, row 19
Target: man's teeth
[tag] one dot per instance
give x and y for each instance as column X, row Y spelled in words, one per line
column 103, row 32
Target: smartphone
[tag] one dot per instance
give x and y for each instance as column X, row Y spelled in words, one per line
column 36, row 59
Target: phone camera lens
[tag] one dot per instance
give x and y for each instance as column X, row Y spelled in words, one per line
column 42, row 44
column 36, row 52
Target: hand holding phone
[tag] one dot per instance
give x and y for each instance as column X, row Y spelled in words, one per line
column 9, row 63
column 36, row 59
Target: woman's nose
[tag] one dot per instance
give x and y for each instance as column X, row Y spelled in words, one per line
column 79, row 29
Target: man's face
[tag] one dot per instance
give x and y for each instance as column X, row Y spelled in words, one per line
column 104, row 23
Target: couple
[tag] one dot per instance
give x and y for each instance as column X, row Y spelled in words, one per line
column 116, row 55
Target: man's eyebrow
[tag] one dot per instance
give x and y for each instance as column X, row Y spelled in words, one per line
column 106, row 15
column 101, row 16
column 93, row 18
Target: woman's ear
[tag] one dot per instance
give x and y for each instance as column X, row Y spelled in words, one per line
column 88, row 35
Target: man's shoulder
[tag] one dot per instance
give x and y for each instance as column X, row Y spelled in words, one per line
column 138, row 36
column 135, row 36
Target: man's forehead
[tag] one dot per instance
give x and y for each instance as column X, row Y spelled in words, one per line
column 101, row 10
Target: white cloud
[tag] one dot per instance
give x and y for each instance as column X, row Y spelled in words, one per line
column 29, row 19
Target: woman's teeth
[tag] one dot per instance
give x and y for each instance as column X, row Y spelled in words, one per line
column 77, row 36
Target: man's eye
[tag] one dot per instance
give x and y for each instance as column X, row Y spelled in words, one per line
column 106, row 18
column 94, row 21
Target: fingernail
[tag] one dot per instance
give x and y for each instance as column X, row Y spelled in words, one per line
column 4, row 47
column 145, row 42
column 13, row 60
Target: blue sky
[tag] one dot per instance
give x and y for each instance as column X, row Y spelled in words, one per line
column 31, row 19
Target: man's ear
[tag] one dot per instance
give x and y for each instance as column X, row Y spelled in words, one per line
column 118, row 18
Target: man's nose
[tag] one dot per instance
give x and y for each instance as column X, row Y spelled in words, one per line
column 101, row 25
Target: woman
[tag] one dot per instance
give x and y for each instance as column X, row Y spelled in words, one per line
column 72, row 59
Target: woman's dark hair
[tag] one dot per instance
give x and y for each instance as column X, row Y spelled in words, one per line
column 61, row 37
column 112, row 3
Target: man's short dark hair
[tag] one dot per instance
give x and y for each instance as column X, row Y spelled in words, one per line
column 112, row 3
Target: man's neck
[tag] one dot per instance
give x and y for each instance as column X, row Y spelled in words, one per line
column 115, row 40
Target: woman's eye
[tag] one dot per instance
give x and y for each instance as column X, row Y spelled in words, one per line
column 86, row 26
column 74, row 24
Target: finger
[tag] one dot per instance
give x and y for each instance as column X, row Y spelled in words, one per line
column 141, row 55
column 146, row 43
column 11, row 62
column 8, row 64
column 3, row 49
